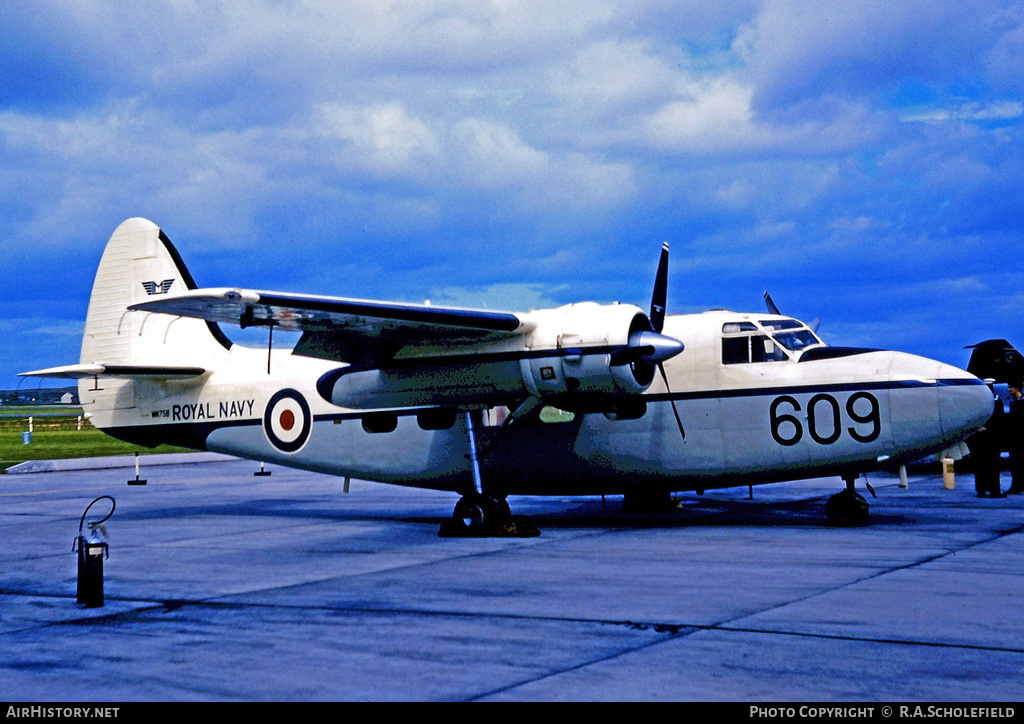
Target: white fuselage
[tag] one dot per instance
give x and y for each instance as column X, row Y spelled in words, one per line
column 767, row 417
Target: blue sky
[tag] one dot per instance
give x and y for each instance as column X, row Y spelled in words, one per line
column 863, row 161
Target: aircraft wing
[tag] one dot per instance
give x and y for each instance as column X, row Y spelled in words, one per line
column 339, row 328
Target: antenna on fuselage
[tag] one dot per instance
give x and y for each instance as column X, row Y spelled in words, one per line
column 270, row 343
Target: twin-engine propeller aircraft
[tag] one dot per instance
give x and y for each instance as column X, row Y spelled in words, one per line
column 584, row 399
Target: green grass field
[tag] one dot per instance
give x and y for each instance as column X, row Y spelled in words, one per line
column 57, row 438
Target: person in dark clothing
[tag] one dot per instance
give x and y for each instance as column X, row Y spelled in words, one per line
column 1015, row 437
column 985, row 455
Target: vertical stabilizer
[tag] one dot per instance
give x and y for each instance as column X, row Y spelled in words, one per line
column 138, row 264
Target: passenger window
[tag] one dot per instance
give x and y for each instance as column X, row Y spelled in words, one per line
column 377, row 422
column 436, row 419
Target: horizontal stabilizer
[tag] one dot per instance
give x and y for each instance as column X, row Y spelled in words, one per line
column 85, row 371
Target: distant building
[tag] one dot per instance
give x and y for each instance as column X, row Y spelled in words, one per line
column 42, row 396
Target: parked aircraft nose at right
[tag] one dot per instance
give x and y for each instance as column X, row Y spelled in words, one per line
column 957, row 402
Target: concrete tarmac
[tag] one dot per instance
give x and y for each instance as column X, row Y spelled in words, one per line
column 225, row 586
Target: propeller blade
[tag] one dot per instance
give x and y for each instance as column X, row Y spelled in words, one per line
column 672, row 402
column 664, row 347
column 658, row 299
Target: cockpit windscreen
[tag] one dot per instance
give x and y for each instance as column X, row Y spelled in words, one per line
column 796, row 341
column 742, row 344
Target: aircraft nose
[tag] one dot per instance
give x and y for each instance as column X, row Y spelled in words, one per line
column 965, row 402
column 938, row 402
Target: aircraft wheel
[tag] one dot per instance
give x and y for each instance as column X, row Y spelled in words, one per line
column 472, row 513
column 847, row 509
column 480, row 515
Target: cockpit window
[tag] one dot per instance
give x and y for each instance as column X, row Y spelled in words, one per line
column 781, row 324
column 751, row 348
column 734, row 327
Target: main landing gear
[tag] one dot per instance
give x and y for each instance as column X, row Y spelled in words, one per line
column 478, row 515
column 848, row 508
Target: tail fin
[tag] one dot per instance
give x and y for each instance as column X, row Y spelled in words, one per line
column 138, row 263
column 996, row 359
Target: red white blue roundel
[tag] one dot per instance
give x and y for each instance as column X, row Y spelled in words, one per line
column 287, row 421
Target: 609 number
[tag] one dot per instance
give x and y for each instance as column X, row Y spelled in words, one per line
column 824, row 419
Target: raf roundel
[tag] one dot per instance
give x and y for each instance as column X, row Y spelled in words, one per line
column 287, row 421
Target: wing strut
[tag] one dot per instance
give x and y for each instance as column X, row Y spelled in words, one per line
column 270, row 343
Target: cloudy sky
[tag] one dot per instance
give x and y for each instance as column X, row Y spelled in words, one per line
column 861, row 160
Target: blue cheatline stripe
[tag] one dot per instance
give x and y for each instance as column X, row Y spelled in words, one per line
column 801, row 389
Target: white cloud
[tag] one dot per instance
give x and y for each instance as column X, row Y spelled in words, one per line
column 493, row 155
column 715, row 115
column 1000, row 110
column 127, row 162
column 613, row 76
column 384, row 138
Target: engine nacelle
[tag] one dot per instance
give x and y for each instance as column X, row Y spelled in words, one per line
column 582, row 351
column 582, row 339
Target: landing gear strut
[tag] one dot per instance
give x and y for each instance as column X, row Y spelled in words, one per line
column 478, row 515
column 848, row 508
